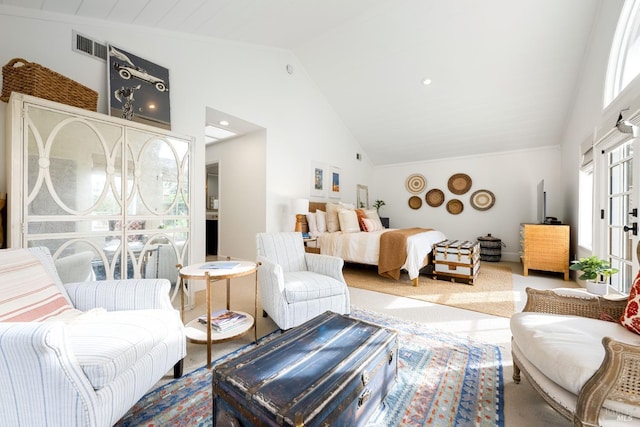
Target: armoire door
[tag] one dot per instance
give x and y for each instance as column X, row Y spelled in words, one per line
column 85, row 182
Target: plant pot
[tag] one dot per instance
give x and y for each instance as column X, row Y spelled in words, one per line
column 597, row 288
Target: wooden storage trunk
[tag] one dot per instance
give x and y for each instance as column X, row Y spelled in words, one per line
column 29, row 78
column 332, row 370
column 456, row 260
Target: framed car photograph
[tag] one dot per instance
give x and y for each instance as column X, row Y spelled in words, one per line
column 138, row 89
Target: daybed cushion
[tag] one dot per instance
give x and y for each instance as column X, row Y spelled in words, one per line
column 566, row 349
column 108, row 343
column 307, row 285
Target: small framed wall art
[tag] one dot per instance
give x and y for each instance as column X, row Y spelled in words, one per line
column 334, row 182
column 318, row 180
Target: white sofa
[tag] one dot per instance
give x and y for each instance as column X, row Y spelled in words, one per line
column 80, row 354
column 586, row 368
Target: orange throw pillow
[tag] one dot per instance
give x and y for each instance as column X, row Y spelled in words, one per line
column 361, row 215
column 630, row 319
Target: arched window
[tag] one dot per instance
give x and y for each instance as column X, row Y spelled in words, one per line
column 624, row 60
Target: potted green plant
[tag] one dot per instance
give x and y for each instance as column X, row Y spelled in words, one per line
column 596, row 272
column 378, row 204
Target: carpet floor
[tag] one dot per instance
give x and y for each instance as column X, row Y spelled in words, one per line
column 492, row 292
column 443, row 380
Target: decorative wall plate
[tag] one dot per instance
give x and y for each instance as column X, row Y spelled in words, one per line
column 416, row 183
column 415, row 202
column 434, row 197
column 482, row 200
column 459, row 183
column 454, row 207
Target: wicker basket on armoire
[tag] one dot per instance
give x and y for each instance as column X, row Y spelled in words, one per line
column 29, row 78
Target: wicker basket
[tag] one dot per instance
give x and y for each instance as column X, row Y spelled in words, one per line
column 33, row 79
column 490, row 248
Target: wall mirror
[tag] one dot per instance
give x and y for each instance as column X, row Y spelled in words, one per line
column 363, row 197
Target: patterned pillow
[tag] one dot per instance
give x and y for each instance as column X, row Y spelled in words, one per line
column 371, row 225
column 630, row 319
column 372, row 214
column 27, row 291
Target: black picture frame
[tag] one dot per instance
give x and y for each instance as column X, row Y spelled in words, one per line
column 138, row 89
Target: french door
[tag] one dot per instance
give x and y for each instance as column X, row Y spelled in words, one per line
column 618, row 197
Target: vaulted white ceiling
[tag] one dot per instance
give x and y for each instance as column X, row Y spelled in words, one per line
column 504, row 72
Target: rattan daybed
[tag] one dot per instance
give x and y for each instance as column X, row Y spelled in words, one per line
column 586, row 368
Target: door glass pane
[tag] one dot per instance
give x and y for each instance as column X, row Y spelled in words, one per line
column 620, row 187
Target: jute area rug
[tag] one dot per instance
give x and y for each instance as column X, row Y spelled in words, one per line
column 443, row 380
column 492, row 292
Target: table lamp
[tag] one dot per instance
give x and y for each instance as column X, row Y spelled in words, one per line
column 300, row 207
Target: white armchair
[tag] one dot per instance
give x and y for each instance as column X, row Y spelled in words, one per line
column 296, row 286
column 80, row 354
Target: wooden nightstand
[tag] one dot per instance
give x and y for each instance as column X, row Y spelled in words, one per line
column 311, row 249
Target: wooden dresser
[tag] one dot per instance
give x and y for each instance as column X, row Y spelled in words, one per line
column 545, row 247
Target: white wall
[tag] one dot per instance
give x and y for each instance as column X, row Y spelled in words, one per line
column 242, row 191
column 511, row 176
column 245, row 81
column 587, row 112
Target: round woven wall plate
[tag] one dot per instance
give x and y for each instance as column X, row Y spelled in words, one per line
column 416, row 183
column 459, row 183
column 482, row 200
column 415, row 202
column 454, row 207
column 434, row 198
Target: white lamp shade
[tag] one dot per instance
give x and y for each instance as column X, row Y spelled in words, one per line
column 300, row 206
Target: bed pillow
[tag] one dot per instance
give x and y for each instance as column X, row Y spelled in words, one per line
column 361, row 215
column 371, row 225
column 346, row 205
column 333, row 223
column 630, row 318
column 348, row 221
column 312, row 223
column 372, row 214
column 321, row 221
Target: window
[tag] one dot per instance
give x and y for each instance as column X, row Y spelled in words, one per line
column 624, row 59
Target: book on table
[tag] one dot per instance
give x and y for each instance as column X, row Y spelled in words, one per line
column 220, row 265
column 223, row 320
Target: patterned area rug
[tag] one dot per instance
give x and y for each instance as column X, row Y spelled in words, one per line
column 443, row 380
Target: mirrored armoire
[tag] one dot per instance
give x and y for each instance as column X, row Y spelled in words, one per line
column 88, row 185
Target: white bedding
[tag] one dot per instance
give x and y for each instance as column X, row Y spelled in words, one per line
column 364, row 248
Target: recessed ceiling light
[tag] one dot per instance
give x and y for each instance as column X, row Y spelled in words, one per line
column 218, row 133
column 426, row 81
column 224, row 123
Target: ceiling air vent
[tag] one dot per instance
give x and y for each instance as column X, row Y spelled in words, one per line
column 88, row 46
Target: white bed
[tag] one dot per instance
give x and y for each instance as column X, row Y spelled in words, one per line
column 364, row 248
